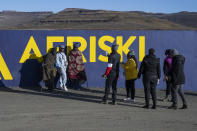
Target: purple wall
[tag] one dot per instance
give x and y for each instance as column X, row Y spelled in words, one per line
column 13, row 44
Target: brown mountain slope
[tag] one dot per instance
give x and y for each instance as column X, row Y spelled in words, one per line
column 9, row 19
column 183, row 18
column 111, row 20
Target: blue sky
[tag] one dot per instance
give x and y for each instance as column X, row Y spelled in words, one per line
column 163, row 6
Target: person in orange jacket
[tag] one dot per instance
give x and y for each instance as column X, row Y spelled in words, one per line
column 131, row 72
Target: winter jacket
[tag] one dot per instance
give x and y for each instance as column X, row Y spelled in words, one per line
column 167, row 67
column 150, row 67
column 130, row 69
column 178, row 76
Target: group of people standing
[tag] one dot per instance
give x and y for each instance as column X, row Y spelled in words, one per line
column 150, row 69
column 69, row 70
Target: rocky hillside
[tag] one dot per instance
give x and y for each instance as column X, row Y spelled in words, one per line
column 73, row 18
column 10, row 19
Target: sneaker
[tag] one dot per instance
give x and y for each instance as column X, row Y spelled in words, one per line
column 61, row 87
column 132, row 100
column 65, row 88
column 127, row 99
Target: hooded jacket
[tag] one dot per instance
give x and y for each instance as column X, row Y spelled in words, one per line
column 178, row 76
column 150, row 67
column 130, row 69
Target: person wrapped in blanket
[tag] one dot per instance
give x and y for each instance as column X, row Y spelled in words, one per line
column 49, row 69
column 76, row 68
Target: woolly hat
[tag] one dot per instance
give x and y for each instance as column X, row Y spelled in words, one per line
column 62, row 46
column 175, row 52
column 131, row 52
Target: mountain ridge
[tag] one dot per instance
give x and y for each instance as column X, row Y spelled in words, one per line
column 77, row 18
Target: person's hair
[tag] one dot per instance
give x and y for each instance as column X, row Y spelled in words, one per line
column 134, row 58
column 151, row 51
column 114, row 48
column 167, row 52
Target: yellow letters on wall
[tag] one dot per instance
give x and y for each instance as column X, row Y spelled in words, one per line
column 141, row 47
column 4, row 69
column 52, row 39
column 124, row 47
column 92, row 48
column 104, row 47
column 30, row 46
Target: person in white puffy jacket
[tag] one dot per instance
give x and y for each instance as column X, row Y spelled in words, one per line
column 61, row 63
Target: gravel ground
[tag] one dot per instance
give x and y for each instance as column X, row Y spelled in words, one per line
column 28, row 110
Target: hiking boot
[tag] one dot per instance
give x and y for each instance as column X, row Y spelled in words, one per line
column 146, row 107
column 153, row 107
column 172, row 107
column 184, row 107
column 113, row 103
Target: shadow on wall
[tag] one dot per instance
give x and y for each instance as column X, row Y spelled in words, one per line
column 31, row 73
column 1, row 84
column 67, row 50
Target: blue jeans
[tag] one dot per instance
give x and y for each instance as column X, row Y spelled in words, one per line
column 63, row 78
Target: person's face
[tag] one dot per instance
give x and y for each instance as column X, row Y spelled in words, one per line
column 61, row 49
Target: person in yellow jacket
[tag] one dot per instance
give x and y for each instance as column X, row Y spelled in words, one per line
column 131, row 72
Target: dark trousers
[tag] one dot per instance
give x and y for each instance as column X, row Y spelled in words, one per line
column 75, row 83
column 110, row 82
column 150, row 88
column 130, row 88
column 178, row 89
column 168, row 88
